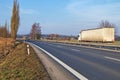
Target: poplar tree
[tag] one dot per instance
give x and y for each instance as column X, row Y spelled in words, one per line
column 15, row 20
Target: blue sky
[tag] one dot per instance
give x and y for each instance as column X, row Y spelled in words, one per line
column 66, row 17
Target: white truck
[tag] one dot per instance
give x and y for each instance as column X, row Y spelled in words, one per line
column 97, row 35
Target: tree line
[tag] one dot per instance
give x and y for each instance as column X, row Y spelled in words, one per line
column 36, row 28
column 15, row 21
column 106, row 24
column 4, row 31
column 36, row 31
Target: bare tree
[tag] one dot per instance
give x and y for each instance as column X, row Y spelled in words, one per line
column 35, row 31
column 15, row 20
column 3, row 31
column 106, row 24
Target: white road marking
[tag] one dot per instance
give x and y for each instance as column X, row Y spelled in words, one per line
column 112, row 58
column 59, row 46
column 75, row 50
column 74, row 72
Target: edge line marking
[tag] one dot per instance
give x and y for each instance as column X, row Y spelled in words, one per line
column 112, row 58
column 74, row 72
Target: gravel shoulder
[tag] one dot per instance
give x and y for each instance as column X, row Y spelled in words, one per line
column 55, row 70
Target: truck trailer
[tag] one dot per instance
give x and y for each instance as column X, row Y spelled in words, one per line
column 97, row 35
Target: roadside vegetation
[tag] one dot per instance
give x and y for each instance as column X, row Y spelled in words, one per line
column 75, row 41
column 15, row 63
column 6, row 46
column 117, row 43
column 18, row 65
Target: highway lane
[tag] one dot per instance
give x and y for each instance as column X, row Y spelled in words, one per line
column 93, row 64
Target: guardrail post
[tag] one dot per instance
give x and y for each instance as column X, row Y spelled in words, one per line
column 28, row 50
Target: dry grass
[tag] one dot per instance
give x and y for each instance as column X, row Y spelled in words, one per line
column 116, row 43
column 6, row 41
column 18, row 65
column 6, row 45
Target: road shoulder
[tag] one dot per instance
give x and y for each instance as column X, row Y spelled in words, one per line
column 56, row 71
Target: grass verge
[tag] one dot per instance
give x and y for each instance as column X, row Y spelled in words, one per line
column 116, row 43
column 18, row 65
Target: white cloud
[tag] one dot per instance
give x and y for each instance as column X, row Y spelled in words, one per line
column 97, row 12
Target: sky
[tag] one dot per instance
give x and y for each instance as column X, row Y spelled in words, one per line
column 66, row 17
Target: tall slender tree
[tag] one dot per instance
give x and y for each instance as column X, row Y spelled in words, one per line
column 15, row 20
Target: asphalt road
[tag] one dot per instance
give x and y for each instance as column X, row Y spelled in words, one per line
column 92, row 63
